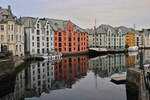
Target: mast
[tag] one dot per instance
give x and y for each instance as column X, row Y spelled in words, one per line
column 95, row 32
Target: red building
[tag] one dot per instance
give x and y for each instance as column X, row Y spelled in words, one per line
column 68, row 37
column 70, row 69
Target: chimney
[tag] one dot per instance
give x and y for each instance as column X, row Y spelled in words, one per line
column 9, row 7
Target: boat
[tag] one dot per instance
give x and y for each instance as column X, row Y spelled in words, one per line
column 119, row 78
column 133, row 48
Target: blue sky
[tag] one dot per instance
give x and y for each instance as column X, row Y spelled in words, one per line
column 83, row 12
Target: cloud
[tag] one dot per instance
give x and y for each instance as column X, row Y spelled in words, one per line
column 84, row 12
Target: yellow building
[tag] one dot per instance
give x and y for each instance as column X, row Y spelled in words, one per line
column 9, row 26
column 130, row 39
column 130, row 61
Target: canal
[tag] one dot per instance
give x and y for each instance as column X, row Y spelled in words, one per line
column 73, row 78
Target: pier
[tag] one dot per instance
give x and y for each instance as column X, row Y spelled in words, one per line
column 139, row 78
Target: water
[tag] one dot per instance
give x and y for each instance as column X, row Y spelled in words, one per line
column 72, row 78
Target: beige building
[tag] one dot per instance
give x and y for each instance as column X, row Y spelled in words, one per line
column 11, row 33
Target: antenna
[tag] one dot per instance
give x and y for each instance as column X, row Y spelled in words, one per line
column 95, row 26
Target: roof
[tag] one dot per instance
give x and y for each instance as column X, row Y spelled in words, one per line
column 6, row 14
column 145, row 31
column 28, row 21
column 57, row 24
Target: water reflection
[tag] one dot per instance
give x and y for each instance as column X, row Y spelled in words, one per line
column 70, row 69
column 72, row 76
column 39, row 77
column 105, row 66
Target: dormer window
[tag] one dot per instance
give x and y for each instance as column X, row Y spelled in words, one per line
column 38, row 25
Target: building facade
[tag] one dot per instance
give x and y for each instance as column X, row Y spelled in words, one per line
column 68, row 37
column 130, row 39
column 11, row 33
column 108, row 37
column 145, row 38
column 38, row 36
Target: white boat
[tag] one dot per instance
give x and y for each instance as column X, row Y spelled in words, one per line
column 49, row 56
column 119, row 78
column 133, row 48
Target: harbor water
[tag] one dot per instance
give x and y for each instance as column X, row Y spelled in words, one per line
column 73, row 78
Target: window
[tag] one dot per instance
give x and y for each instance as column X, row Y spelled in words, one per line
column 59, row 44
column 2, row 27
column 69, row 44
column 12, row 37
column 47, row 32
column 47, row 39
column 59, row 49
column 38, row 32
column 38, row 50
column 33, row 44
column 69, row 49
column 59, row 33
column 38, row 38
column 12, row 27
column 38, row 44
column 59, row 39
column 32, row 37
column 69, row 38
column 38, row 25
column 43, row 50
column 20, row 48
column 2, row 37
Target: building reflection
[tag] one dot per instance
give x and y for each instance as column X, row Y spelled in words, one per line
column 131, row 59
column 69, row 70
column 146, row 56
column 105, row 66
column 39, row 77
column 42, row 77
column 15, row 89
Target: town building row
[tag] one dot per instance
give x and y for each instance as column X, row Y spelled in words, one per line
column 117, row 38
column 29, row 35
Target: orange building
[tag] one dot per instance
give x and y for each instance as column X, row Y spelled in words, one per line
column 68, row 37
column 70, row 69
column 130, row 39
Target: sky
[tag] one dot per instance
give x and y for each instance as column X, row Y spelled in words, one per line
column 84, row 12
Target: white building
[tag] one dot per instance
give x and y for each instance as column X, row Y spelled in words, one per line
column 145, row 38
column 106, row 36
column 38, row 36
column 19, row 38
